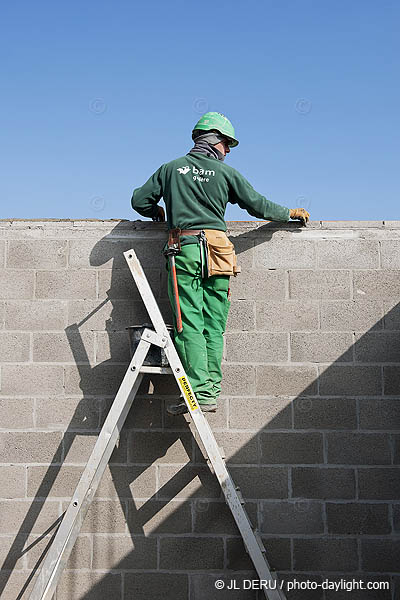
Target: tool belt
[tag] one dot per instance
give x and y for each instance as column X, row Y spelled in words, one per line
column 217, row 251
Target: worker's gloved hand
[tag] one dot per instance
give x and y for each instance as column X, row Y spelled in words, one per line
column 301, row 214
column 160, row 215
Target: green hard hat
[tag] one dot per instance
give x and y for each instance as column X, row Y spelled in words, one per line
column 218, row 121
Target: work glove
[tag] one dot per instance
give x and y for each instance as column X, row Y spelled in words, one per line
column 160, row 215
column 301, row 214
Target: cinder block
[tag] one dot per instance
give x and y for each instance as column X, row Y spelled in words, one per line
column 380, row 414
column 35, row 315
column 324, row 483
column 143, row 586
column 27, row 517
column 160, row 516
column 259, row 285
column 112, row 316
column 119, row 284
column 379, row 483
column 291, row 448
column 241, row 316
column 380, row 555
column 296, row 517
column 258, row 482
column 37, row 254
column 113, row 346
column 334, row 554
column 277, row 552
column 325, row 413
column 2, row 253
column 391, row 315
column 356, row 518
column 102, row 380
column 11, row 558
column 127, row 482
column 287, row 315
column 30, row 447
column 256, row 347
column 320, row 285
column 352, row 315
column 358, row 448
column 108, row 253
column 391, row 380
column 357, row 380
column 2, row 313
column 70, row 284
column 145, row 413
column 159, row 385
column 80, row 557
column 12, row 482
column 238, row 380
column 191, row 553
column 244, row 249
column 377, row 347
column 16, row 413
column 90, row 585
column 390, row 254
column 395, row 438
column 187, row 482
column 78, row 448
column 321, row 347
column 124, row 552
column 105, row 516
column 239, row 448
column 347, row 254
column 286, row 380
column 203, row 586
column 16, row 284
column 257, row 413
column 28, row 379
column 65, row 347
column 216, row 518
column 284, row 253
column 164, row 447
column 396, row 517
column 53, row 482
column 14, row 347
column 378, row 285
column 67, row 413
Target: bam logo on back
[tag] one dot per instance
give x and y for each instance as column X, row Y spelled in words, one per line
column 183, row 170
column 198, row 174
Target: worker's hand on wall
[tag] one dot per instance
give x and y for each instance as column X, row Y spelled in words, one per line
column 160, row 216
column 300, row 213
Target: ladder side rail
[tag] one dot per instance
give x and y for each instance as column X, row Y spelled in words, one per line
column 71, row 524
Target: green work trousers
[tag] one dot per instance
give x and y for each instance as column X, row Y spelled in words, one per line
column 204, row 307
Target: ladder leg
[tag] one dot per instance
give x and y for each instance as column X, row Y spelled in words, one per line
column 71, row 524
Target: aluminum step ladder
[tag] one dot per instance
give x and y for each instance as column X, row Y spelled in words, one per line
column 59, row 551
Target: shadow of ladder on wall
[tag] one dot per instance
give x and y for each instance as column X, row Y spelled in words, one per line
column 71, row 524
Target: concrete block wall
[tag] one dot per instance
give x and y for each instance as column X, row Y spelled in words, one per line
column 309, row 417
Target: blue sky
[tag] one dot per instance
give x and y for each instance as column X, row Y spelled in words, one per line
column 95, row 96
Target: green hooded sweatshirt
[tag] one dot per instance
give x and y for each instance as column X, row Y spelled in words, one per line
column 196, row 190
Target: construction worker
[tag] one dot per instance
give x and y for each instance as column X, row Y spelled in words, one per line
column 196, row 189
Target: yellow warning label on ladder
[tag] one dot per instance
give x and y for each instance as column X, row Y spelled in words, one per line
column 188, row 393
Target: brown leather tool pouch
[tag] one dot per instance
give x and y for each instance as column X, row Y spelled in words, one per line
column 221, row 254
